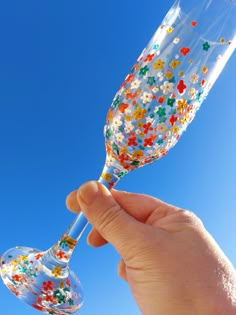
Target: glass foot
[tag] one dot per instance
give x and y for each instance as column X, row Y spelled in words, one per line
column 40, row 282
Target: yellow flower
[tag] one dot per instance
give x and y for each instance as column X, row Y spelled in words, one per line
column 106, row 176
column 169, row 74
column 137, row 154
column 175, row 129
column 124, row 150
column 174, row 63
column 139, row 113
column 181, row 73
column 182, row 105
column 61, row 284
column 57, row 272
column 159, row 65
column 204, row 69
column 222, row 40
column 70, row 241
column 170, row 30
column 184, row 119
column 22, row 257
column 127, row 117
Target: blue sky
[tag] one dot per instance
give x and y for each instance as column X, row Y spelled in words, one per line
column 60, row 65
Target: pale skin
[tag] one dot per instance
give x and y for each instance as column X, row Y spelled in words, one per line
column 170, row 262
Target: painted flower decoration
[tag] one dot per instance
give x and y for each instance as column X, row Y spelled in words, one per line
column 206, row 46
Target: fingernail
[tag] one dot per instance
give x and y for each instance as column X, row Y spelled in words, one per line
column 88, row 192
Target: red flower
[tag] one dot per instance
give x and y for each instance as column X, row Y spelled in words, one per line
column 123, row 107
column 68, row 282
column 122, row 158
column 173, row 119
column 38, row 256
column 129, row 96
column 184, row 51
column 132, row 141
column 194, row 23
column 38, row 307
column 161, row 99
column 17, row 278
column 149, row 141
column 181, row 86
column 147, row 127
column 149, row 57
column 61, row 254
column 129, row 78
column 48, row 286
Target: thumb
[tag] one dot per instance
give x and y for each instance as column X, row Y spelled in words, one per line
column 109, row 219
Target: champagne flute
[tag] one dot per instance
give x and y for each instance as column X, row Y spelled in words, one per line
column 153, row 107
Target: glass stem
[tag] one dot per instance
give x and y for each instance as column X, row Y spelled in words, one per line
column 60, row 253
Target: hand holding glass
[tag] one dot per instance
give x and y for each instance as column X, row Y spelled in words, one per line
column 155, row 104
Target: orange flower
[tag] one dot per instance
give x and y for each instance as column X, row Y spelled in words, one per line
column 139, row 113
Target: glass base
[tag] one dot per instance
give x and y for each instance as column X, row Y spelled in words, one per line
column 46, row 286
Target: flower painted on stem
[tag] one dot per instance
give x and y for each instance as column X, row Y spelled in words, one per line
column 174, row 64
column 146, row 97
column 135, row 84
column 206, row 46
column 184, row 51
column 137, row 154
column 60, row 254
column 143, row 71
column 158, row 65
column 139, row 113
column 149, row 57
column 173, row 119
column 57, row 271
column 167, row 87
column 181, row 87
column 123, row 107
column 194, row 23
column 222, row 40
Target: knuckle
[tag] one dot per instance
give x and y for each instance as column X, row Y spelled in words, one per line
column 189, row 217
column 108, row 219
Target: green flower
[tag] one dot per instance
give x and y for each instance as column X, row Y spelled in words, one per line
column 108, row 134
column 162, row 119
column 151, row 81
column 172, row 80
column 161, row 112
column 160, row 141
column 135, row 163
column 206, row 46
column 71, row 302
column 171, row 102
column 116, row 102
column 115, row 148
column 143, row 71
column 156, row 46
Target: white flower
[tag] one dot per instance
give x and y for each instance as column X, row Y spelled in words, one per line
column 135, row 84
column 119, row 137
column 194, row 78
column 176, row 40
column 176, row 56
column 156, row 89
column 167, row 87
column 192, row 93
column 116, row 122
column 146, row 97
column 128, row 126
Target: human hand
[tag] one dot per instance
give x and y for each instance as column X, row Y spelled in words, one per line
column 171, row 263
